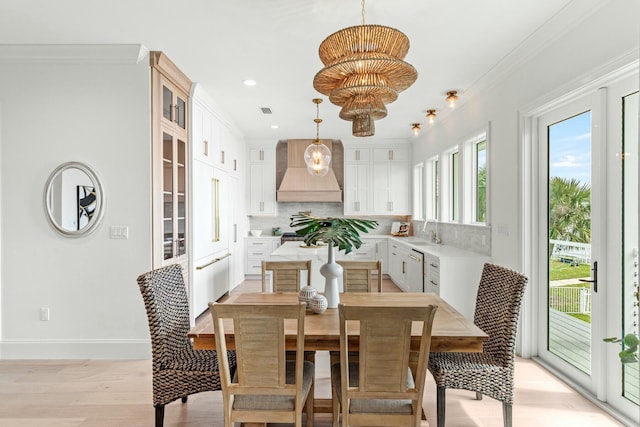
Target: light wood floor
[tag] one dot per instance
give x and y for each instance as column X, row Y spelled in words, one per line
column 74, row 393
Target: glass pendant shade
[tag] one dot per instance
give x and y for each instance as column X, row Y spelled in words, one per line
column 317, row 157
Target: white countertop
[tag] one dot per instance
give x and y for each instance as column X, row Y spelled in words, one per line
column 441, row 251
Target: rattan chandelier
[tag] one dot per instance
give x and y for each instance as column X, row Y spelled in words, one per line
column 363, row 71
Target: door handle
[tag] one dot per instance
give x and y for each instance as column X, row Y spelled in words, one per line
column 594, row 280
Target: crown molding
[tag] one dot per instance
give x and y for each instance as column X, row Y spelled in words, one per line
column 72, row 54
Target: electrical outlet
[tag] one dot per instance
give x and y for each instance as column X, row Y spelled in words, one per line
column 44, row 314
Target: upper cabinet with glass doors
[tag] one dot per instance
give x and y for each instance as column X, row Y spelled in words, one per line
column 170, row 161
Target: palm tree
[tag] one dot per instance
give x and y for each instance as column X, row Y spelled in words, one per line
column 569, row 211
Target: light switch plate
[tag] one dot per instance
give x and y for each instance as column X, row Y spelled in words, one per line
column 119, row 232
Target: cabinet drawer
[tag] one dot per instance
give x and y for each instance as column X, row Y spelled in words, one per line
column 259, row 243
column 258, row 253
column 254, row 266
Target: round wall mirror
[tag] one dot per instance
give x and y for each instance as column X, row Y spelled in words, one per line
column 74, row 199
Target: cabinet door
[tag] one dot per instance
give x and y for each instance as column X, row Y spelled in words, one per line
column 356, row 155
column 262, row 189
column 399, row 188
column 391, row 186
column 174, row 197
column 391, row 154
column 356, row 189
column 174, row 105
column 205, row 232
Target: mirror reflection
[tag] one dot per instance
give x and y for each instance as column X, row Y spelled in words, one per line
column 73, row 199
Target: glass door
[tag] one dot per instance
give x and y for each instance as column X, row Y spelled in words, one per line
column 588, row 239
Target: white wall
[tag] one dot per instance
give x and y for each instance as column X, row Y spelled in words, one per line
column 540, row 70
column 95, row 111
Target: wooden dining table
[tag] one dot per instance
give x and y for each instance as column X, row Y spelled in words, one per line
column 451, row 331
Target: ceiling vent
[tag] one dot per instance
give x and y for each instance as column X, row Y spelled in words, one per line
column 265, row 110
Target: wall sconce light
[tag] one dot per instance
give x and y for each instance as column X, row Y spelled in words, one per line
column 415, row 127
column 452, row 97
column 431, row 116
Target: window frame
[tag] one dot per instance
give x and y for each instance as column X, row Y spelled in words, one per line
column 419, row 191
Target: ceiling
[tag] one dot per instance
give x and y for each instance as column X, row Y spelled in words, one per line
column 454, row 45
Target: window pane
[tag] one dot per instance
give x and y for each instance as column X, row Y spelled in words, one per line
column 481, row 181
column 436, row 213
column 454, row 186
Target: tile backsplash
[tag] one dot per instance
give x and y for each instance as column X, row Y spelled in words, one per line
column 474, row 238
column 285, row 210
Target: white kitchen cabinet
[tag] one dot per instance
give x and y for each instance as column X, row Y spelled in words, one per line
column 450, row 272
column 398, row 255
column 262, row 182
column 357, row 187
column 432, row 274
column 258, row 249
column 391, row 181
column 366, row 252
column 357, row 181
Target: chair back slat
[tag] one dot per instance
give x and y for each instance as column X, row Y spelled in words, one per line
column 358, row 275
column 285, row 275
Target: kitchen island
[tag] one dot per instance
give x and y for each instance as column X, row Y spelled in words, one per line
column 298, row 251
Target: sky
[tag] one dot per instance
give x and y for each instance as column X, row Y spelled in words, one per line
column 570, row 148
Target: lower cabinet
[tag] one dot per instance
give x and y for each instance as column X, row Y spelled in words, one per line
column 258, row 249
column 210, row 281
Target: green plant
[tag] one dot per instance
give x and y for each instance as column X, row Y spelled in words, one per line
column 629, row 353
column 630, row 343
column 343, row 233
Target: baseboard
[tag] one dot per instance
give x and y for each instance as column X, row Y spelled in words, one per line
column 75, row 349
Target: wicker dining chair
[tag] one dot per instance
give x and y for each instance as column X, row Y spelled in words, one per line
column 178, row 369
column 267, row 388
column 385, row 386
column 490, row 372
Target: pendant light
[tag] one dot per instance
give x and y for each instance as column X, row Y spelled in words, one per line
column 317, row 156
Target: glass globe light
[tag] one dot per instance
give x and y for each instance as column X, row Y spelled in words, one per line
column 317, row 157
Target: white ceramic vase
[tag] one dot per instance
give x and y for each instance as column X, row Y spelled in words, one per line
column 331, row 272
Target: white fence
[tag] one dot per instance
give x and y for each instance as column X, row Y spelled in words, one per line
column 571, row 251
column 570, row 299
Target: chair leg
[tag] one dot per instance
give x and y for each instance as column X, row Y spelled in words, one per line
column 478, row 395
column 184, row 399
column 440, row 405
column 335, row 407
column 159, row 415
column 309, row 404
column 507, row 414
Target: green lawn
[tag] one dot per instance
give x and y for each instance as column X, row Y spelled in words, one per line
column 562, row 270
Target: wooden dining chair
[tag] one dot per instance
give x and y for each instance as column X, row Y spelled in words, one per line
column 490, row 372
column 358, row 276
column 384, row 387
column 285, row 275
column 266, row 388
column 177, row 369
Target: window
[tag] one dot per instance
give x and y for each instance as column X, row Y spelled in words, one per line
column 474, row 173
column 455, row 187
column 480, row 187
column 431, row 190
column 418, row 191
column 449, row 191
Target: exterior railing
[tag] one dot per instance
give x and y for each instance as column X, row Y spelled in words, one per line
column 571, row 251
column 570, row 299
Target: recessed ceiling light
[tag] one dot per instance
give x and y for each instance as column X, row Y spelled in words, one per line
column 274, row 126
column 249, row 82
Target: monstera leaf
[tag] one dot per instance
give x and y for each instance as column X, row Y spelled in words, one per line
column 343, row 233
